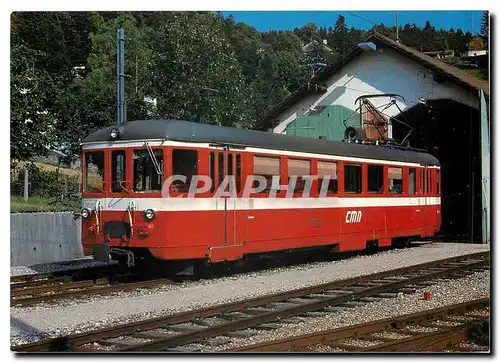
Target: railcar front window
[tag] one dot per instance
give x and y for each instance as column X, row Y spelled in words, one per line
column 327, row 174
column 375, row 179
column 352, row 178
column 94, row 171
column 395, row 180
column 147, row 179
column 118, row 171
column 184, row 163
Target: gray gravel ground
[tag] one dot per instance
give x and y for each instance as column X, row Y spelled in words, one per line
column 52, row 267
column 48, row 320
column 444, row 293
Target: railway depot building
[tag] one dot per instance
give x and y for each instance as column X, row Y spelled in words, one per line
column 422, row 101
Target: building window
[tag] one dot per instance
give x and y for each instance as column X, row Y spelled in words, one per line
column 298, row 168
column 375, row 178
column 412, row 180
column 118, row 171
column 146, row 176
column 352, row 178
column 184, row 163
column 328, row 169
column 395, row 180
column 94, row 171
column 266, row 167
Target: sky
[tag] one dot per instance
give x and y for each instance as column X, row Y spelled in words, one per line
column 288, row 20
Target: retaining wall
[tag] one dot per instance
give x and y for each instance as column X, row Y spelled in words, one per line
column 44, row 238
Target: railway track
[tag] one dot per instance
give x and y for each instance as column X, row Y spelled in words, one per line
column 37, row 288
column 430, row 330
column 86, row 273
column 172, row 332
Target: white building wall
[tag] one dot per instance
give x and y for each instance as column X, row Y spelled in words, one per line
column 386, row 71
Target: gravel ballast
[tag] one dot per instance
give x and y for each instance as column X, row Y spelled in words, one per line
column 42, row 321
column 56, row 266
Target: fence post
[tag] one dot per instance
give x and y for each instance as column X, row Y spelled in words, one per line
column 26, row 180
column 65, row 186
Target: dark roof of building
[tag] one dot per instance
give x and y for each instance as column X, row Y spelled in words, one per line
column 459, row 76
column 185, row 131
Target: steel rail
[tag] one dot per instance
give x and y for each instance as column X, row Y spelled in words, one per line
column 85, row 288
column 190, row 337
column 432, row 269
column 417, row 342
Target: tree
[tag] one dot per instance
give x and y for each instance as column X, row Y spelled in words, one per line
column 485, row 27
column 32, row 124
column 340, row 38
column 196, row 75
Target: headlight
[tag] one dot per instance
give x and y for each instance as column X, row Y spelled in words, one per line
column 86, row 212
column 149, row 214
column 114, row 133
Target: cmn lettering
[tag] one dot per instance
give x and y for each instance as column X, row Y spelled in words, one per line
column 353, row 216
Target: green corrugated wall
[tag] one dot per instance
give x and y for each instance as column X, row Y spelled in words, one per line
column 326, row 123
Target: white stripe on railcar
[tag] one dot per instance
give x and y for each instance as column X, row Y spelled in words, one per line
column 212, row 204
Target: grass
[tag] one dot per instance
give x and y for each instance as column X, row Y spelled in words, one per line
column 49, row 167
column 40, row 204
column 480, row 73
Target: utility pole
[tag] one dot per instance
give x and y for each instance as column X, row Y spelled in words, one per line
column 120, row 75
column 136, row 71
column 397, row 27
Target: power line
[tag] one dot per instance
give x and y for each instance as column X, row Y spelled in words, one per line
column 362, row 17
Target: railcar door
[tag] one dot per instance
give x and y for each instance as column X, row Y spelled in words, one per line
column 227, row 164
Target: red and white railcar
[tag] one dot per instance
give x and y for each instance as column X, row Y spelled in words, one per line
column 375, row 195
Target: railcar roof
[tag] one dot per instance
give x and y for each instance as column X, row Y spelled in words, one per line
column 185, row 131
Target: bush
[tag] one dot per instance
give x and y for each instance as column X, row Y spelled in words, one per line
column 44, row 183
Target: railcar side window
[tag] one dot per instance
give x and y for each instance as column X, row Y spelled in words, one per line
column 146, row 176
column 422, row 191
column 118, row 170
column 438, row 191
column 352, row 178
column 238, row 173
column 94, row 171
column 328, row 169
column 375, row 178
column 395, row 180
column 298, row 168
column 412, row 180
column 211, row 169
column 429, row 191
column 267, row 167
column 184, row 162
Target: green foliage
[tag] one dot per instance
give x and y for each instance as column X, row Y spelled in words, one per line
column 485, row 27
column 32, row 123
column 197, row 66
column 44, row 183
